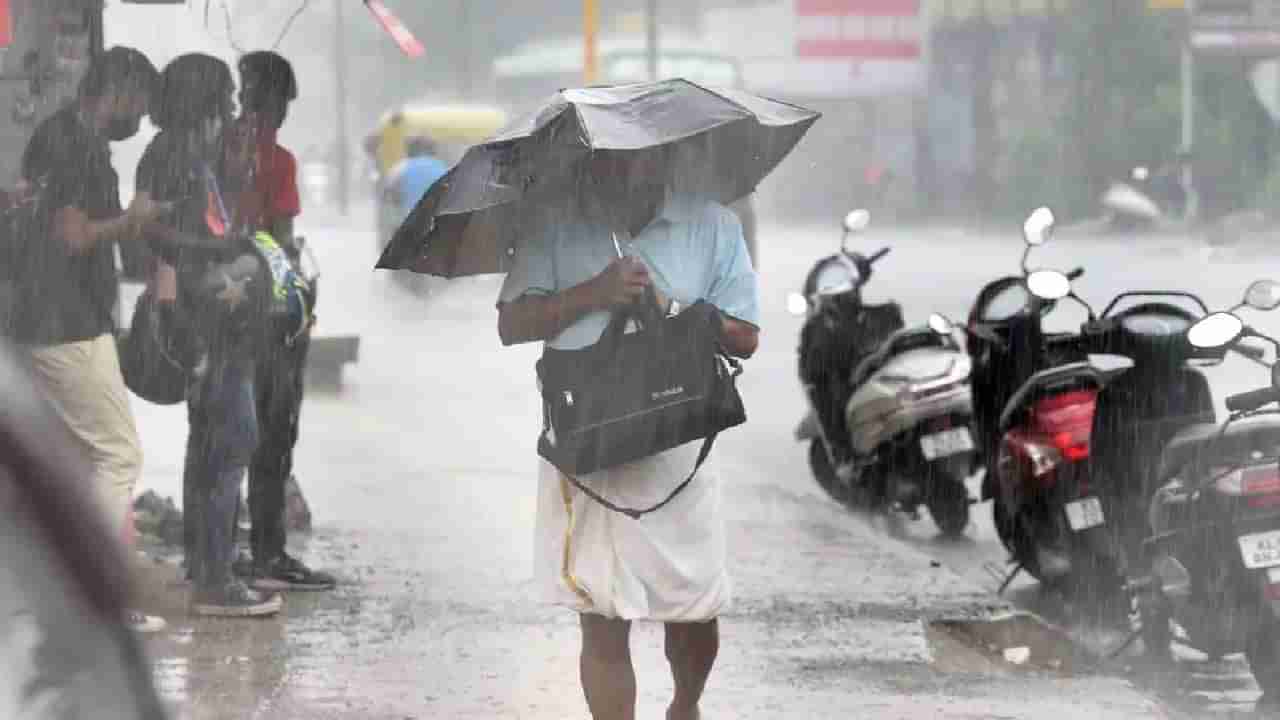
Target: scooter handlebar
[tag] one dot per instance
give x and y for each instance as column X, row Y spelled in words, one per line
column 1075, row 274
column 1252, row 400
column 1253, row 352
column 877, row 255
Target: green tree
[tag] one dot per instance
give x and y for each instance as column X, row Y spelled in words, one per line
column 1122, row 108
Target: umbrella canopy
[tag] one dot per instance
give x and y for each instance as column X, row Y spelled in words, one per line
column 715, row 143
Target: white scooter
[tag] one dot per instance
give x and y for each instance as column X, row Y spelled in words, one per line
column 908, row 412
column 1141, row 201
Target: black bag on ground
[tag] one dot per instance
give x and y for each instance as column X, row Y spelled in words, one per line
column 633, row 395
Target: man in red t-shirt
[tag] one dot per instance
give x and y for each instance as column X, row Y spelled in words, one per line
column 270, row 203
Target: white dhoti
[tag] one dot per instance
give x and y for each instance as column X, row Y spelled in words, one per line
column 668, row 566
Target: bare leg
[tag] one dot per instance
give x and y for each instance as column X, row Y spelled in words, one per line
column 608, row 678
column 691, row 650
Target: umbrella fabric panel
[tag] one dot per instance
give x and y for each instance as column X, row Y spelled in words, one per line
column 713, row 144
column 661, row 115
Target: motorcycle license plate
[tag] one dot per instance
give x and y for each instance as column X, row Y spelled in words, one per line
column 1260, row 550
column 946, row 443
column 1085, row 514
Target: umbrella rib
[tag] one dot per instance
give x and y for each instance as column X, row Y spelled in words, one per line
column 720, row 96
column 582, row 126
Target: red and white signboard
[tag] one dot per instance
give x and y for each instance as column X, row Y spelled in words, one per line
column 825, row 48
column 859, row 30
column 6, row 24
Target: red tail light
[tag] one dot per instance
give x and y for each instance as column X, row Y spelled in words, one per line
column 1259, row 483
column 1059, row 431
column 1066, row 421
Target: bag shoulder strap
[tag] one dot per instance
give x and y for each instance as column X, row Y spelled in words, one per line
column 637, row 513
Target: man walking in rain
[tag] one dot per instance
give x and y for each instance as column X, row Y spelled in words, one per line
column 67, row 285
column 668, row 567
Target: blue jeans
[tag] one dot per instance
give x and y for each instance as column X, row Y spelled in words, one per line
column 222, row 437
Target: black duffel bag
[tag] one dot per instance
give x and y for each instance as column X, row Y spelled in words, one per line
column 636, row 394
column 156, row 353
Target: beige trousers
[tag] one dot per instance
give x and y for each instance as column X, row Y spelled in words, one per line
column 83, row 383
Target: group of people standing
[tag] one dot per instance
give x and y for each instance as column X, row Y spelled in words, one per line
column 212, row 221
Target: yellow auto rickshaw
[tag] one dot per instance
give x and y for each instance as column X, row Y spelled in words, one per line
column 451, row 128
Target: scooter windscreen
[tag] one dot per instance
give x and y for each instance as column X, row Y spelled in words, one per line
column 833, row 275
column 1004, row 300
column 1155, row 330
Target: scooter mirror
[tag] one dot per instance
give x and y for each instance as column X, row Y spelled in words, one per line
column 1215, row 331
column 1263, row 295
column 940, row 324
column 1038, row 227
column 1048, row 284
column 796, row 304
column 857, row 221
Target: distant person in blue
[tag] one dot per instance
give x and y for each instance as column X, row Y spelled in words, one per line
column 415, row 175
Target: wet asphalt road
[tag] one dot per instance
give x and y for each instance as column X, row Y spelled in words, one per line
column 420, row 477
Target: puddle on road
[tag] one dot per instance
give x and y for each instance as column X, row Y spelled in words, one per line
column 1009, row 643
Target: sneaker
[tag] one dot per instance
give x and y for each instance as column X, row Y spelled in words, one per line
column 140, row 622
column 235, row 600
column 243, row 567
column 288, row 573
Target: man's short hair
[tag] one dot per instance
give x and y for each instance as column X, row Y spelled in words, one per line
column 120, row 69
column 193, row 88
column 265, row 75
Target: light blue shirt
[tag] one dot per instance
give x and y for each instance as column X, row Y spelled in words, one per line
column 694, row 249
column 413, row 177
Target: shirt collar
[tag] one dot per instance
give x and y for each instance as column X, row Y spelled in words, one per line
column 680, row 208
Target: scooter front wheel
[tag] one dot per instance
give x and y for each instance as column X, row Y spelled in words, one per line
column 1157, row 636
column 823, row 471
column 1263, row 653
column 948, row 502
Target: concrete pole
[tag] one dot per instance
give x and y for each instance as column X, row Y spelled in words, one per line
column 340, row 78
column 1189, row 130
column 651, row 38
column 590, row 21
column 465, row 21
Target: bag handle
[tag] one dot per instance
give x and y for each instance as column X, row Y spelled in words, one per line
column 643, row 311
column 637, row 513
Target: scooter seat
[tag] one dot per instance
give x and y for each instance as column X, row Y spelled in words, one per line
column 1204, row 445
column 903, row 340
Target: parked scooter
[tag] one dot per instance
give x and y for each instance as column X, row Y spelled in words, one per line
column 1143, row 199
column 1213, row 555
column 902, row 394
column 1034, row 396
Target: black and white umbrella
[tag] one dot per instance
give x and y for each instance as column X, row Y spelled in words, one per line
column 725, row 142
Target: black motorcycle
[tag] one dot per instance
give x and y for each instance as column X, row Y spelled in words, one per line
column 1116, row 429
column 1034, row 396
column 894, row 399
column 1212, row 558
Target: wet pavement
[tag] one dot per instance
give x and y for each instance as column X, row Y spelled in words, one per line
column 420, row 477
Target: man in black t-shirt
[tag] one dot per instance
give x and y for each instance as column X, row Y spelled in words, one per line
column 65, row 280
